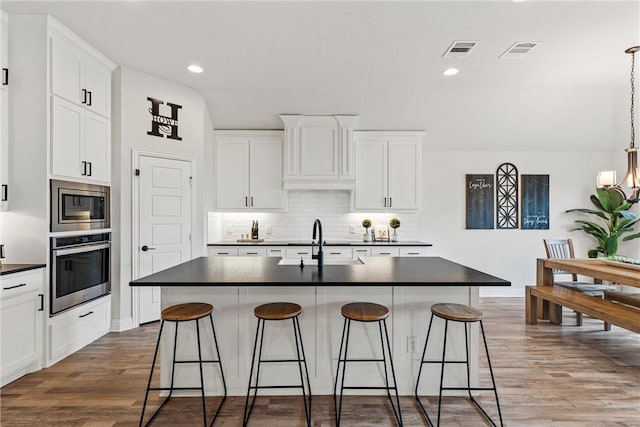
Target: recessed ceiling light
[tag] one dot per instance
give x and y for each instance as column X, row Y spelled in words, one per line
column 195, row 68
column 450, row 71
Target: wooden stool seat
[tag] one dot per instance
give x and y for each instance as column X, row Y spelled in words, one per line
column 277, row 311
column 628, row 298
column 187, row 311
column 457, row 312
column 365, row 311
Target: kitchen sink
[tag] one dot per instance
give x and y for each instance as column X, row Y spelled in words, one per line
column 330, row 261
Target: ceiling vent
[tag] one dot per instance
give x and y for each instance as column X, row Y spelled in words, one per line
column 459, row 49
column 519, row 49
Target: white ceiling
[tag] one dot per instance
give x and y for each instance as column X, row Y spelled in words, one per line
column 381, row 60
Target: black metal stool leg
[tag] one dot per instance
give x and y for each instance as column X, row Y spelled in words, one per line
column 466, row 346
column 444, row 351
column 224, row 384
column 335, row 387
column 300, row 348
column 248, row 408
column 204, row 408
column 398, row 414
column 153, row 364
column 344, row 369
column 422, row 362
column 493, row 381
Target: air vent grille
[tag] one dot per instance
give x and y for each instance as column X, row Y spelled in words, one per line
column 459, row 49
column 519, row 49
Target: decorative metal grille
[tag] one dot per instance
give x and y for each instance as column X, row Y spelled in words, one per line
column 507, row 196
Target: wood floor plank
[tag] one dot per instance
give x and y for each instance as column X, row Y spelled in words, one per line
column 547, row 375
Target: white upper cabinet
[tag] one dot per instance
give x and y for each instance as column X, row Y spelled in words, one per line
column 318, row 152
column 4, row 50
column 78, row 77
column 388, row 170
column 249, row 170
column 4, row 113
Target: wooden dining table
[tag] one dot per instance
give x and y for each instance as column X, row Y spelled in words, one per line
column 595, row 268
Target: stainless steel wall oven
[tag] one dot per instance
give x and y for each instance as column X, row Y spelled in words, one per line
column 80, row 269
column 78, row 206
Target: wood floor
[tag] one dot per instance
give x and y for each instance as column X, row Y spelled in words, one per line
column 546, row 375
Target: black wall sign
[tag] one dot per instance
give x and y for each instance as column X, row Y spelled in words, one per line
column 535, row 202
column 479, row 198
column 165, row 124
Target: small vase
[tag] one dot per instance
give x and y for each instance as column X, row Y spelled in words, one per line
column 395, row 237
column 366, row 237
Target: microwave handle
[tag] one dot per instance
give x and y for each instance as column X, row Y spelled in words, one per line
column 82, row 248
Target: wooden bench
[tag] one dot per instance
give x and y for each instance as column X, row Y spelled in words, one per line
column 617, row 314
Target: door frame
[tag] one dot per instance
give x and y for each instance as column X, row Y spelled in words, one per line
column 135, row 219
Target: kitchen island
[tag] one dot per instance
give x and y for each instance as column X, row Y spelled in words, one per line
column 408, row 286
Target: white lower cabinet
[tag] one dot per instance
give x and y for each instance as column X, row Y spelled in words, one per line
column 385, row 251
column 252, row 251
column 335, row 252
column 21, row 316
column 73, row 329
column 222, row 251
column 360, row 252
column 414, row 251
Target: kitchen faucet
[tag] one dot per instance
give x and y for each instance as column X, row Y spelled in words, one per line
column 319, row 255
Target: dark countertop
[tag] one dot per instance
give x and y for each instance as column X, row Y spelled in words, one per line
column 16, row 268
column 286, row 243
column 265, row 271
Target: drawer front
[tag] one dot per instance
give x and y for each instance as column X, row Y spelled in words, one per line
column 21, row 283
column 297, row 252
column 276, row 252
column 359, row 252
column 252, row 251
column 338, row 252
column 414, row 251
column 72, row 330
column 222, row 251
column 385, row 251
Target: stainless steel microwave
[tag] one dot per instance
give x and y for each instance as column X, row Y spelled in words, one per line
column 78, row 206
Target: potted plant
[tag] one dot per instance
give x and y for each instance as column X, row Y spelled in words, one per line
column 366, row 223
column 394, row 223
column 614, row 221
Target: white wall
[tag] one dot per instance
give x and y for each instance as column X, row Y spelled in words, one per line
column 131, row 121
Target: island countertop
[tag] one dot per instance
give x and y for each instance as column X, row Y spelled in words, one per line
column 261, row 271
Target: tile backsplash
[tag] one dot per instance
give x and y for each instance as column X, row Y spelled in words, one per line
column 331, row 207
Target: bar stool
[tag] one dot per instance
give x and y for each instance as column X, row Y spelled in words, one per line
column 181, row 313
column 366, row 312
column 273, row 312
column 467, row 315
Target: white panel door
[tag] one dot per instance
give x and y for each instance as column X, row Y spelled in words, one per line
column 266, row 173
column 404, row 163
column 97, row 80
column 371, row 174
column 319, row 152
column 67, row 130
column 232, row 173
column 67, row 69
column 165, row 224
column 4, row 150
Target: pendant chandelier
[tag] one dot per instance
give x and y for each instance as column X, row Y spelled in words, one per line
column 631, row 178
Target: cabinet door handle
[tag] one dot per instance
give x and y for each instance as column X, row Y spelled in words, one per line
column 222, row 253
column 41, row 302
column 385, row 253
column 5, row 77
column 89, row 102
column 5, row 192
column 15, row 286
column 89, row 163
column 84, row 168
column 246, row 201
column 251, row 201
column 86, row 314
column 252, row 253
column 385, row 202
column 303, row 253
column 335, row 253
column 84, row 96
column 413, row 253
column 390, row 202
column 276, row 250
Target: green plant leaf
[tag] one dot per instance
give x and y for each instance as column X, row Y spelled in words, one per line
column 594, row 199
column 611, row 246
column 631, row 237
column 593, row 253
column 591, row 212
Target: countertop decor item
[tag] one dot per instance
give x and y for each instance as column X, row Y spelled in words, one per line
column 366, row 223
column 615, row 220
column 394, row 223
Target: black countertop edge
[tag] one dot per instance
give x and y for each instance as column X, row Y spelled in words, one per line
column 284, row 243
column 17, row 268
column 320, row 284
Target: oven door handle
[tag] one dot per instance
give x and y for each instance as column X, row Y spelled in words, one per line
column 80, row 249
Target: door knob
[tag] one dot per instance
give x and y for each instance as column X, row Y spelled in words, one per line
column 146, row 248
